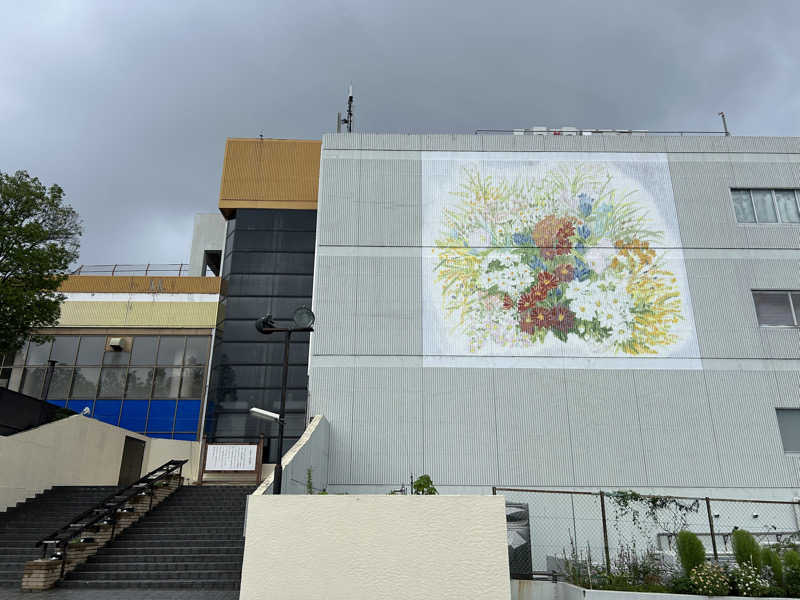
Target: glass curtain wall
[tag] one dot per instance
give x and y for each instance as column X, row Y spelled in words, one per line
column 149, row 384
column 268, row 268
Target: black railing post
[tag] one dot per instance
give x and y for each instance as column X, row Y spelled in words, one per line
column 711, row 528
column 63, row 559
column 494, row 491
column 605, row 532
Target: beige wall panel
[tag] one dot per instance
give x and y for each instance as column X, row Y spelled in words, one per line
column 138, row 314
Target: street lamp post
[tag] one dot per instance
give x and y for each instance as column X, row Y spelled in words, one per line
column 303, row 321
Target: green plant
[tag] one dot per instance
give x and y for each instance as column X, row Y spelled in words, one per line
column 749, row 582
column 423, row 486
column 666, row 512
column 691, row 551
column 771, row 559
column 791, row 560
column 791, row 582
column 709, row 579
column 309, row 482
column 746, row 549
column 681, row 585
column 775, row 591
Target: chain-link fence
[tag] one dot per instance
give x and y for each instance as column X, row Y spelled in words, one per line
column 575, row 533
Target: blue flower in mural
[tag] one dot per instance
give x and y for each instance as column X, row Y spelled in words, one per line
column 537, row 265
column 521, row 239
column 579, row 247
column 582, row 271
column 584, row 231
column 585, row 204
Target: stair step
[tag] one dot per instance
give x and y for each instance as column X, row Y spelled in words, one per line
column 152, row 584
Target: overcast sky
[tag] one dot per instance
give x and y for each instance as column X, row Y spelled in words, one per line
column 127, row 105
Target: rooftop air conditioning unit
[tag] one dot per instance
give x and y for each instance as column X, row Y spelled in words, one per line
column 115, row 344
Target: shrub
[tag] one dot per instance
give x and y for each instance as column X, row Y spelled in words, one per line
column 681, row 585
column 423, row 486
column 690, row 551
column 709, row 579
column 791, row 573
column 749, row 581
column 746, row 549
column 771, row 559
column 791, row 560
column 791, row 582
column 775, row 591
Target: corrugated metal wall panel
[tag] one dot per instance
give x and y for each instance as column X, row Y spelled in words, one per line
column 459, row 426
column 389, row 202
column 451, row 143
column 606, row 432
column 633, row 143
column 336, row 288
column 677, row 432
column 337, row 215
column 387, row 426
column 780, row 342
column 703, row 204
column 788, row 383
column 724, row 313
column 332, row 396
column 533, row 430
column 341, row 141
column 389, row 306
column 743, row 409
column 118, row 284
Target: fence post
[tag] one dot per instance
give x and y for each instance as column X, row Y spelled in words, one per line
column 605, row 531
column 494, row 491
column 711, row 528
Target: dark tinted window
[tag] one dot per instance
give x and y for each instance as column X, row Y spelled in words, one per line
column 144, row 351
column 773, row 308
column 90, row 351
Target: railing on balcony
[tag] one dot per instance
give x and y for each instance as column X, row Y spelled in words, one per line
column 154, row 269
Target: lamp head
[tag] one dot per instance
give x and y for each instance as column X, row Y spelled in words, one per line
column 265, row 323
column 303, row 317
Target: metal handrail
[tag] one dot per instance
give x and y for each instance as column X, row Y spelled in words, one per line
column 105, row 509
column 579, row 132
column 121, row 270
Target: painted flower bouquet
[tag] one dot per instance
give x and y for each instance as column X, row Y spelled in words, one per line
column 566, row 256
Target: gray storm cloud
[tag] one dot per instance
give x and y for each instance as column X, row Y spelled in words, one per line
column 127, row 105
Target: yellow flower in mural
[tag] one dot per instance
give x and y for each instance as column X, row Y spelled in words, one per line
column 563, row 256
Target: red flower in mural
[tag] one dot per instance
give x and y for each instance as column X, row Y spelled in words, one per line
column 565, row 272
column 528, row 300
column 508, row 303
column 547, row 281
column 537, row 318
column 552, row 234
column 561, row 318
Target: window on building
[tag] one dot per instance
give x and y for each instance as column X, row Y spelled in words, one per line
column 148, row 384
column 789, row 425
column 766, row 205
column 777, row 308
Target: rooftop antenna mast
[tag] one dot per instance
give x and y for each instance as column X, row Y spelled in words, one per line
column 348, row 120
column 724, row 123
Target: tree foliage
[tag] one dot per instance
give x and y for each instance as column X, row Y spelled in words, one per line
column 39, row 238
column 423, row 486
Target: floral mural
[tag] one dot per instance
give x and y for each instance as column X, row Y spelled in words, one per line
column 566, row 255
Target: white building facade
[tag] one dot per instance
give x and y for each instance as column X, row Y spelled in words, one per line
column 577, row 312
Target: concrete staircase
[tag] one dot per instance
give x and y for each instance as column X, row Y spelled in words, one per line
column 193, row 540
column 28, row 522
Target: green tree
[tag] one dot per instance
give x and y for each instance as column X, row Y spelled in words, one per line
column 39, row 238
column 423, row 486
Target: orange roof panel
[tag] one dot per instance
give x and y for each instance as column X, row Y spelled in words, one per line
column 270, row 173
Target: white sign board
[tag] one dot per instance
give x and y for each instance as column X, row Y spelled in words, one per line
column 231, row 457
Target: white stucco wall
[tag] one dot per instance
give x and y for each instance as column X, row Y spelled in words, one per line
column 346, row 547
column 76, row 451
